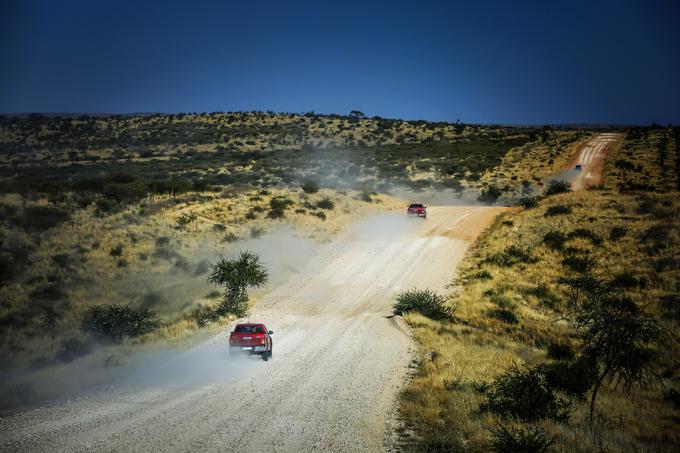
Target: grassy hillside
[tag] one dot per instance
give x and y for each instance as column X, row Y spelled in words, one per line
column 510, row 372
column 129, row 210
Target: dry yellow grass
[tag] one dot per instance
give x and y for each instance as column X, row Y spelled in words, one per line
column 644, row 161
column 441, row 403
column 159, row 257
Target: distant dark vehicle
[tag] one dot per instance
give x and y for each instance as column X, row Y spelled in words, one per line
column 417, row 209
column 251, row 339
column 578, row 167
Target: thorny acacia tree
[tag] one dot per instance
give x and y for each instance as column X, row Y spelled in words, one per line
column 236, row 276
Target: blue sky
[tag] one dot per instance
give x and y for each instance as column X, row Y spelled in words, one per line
column 486, row 62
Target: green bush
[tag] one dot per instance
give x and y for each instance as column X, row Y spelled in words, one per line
column 483, row 275
column 426, row 302
column 557, row 209
column 489, row 195
column 573, row 377
column 310, row 186
column 506, row 316
column 617, row 233
column 41, row 218
column 557, row 186
column 278, row 206
column 516, row 438
column 560, row 350
column 528, row 202
column 114, row 322
column 554, row 239
column 510, row 256
column 585, row 233
column 236, row 276
column 542, row 293
column 580, row 264
column 625, row 279
column 325, row 203
column 524, row 393
column 116, row 251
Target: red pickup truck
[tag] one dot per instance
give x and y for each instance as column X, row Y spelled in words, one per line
column 418, row 209
column 251, row 338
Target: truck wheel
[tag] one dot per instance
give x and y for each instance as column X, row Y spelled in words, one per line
column 265, row 356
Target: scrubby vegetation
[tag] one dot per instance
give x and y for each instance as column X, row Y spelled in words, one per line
column 425, row 302
column 572, row 344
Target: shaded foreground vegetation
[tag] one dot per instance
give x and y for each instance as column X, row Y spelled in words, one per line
column 566, row 329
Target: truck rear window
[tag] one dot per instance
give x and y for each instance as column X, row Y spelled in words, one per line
column 249, row 329
column 416, row 205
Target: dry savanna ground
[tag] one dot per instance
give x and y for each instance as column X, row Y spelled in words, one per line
column 514, row 320
column 133, row 210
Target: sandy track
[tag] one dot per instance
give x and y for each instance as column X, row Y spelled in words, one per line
column 338, row 363
column 591, row 157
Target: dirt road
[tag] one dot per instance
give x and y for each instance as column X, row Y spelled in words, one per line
column 338, row 361
column 591, row 157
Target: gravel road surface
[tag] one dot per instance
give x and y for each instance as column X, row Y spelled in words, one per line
column 339, row 358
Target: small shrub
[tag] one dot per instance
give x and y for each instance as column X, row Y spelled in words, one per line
column 560, row 350
column 41, row 218
column 670, row 306
column 116, row 251
column 673, row 397
column 557, row 186
column 256, row 232
column 162, row 241
column 511, row 256
column 573, row 377
column 617, row 233
column 506, row 316
column 543, row 294
column 325, row 203
column 524, row 393
column 218, row 227
column 278, row 206
column 625, row 279
column 554, row 239
column 528, row 202
column 250, row 215
column 580, row 264
column 310, row 186
column 520, row 439
column 585, row 233
column 508, row 222
column 489, row 195
column 114, row 322
column 426, row 302
column 185, row 219
column 483, row 275
column 231, row 237
column 320, row 214
column 557, row 209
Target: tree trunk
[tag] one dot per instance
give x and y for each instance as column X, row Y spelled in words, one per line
column 593, row 397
